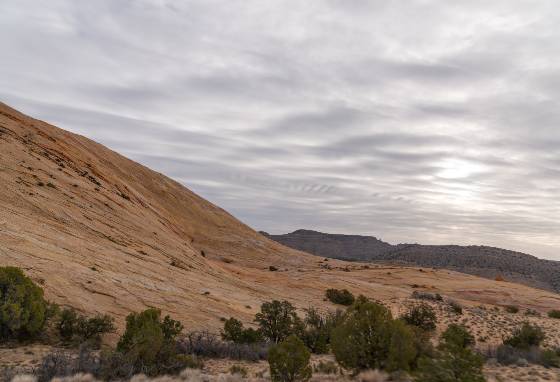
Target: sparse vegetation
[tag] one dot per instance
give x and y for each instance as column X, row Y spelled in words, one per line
column 238, row 370
column 278, row 320
column 23, row 309
column 148, row 343
column 455, row 307
column 289, row 361
column 72, row 326
column 235, row 332
column 454, row 360
column 422, row 316
column 426, row 296
column 340, row 296
column 512, row 309
column 554, row 314
column 525, row 337
column 369, row 338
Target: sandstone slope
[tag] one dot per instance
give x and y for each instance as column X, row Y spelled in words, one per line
column 105, row 234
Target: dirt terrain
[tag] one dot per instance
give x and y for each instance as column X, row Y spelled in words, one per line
column 478, row 260
column 105, row 234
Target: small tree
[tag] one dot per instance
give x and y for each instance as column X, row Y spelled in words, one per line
column 362, row 340
column 526, row 336
column 289, row 361
column 457, row 336
column 402, row 349
column 235, row 332
column 340, row 296
column 455, row 361
column 148, row 343
column 278, row 320
column 23, row 309
column 422, row 316
column 72, row 326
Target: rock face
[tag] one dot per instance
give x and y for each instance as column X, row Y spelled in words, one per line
column 476, row 260
column 105, row 234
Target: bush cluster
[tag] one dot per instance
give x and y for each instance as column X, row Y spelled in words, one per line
column 554, row 314
column 369, row 338
column 75, row 327
column 454, row 360
column 340, row 296
column 422, row 316
column 23, row 308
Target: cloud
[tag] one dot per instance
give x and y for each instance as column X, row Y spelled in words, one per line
column 418, row 121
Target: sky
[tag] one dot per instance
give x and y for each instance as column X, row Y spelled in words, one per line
column 422, row 121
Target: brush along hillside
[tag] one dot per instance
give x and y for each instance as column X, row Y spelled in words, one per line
column 104, row 234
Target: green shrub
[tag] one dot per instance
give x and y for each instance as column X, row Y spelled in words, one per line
column 454, row 361
column 67, row 323
column 289, row 361
column 550, row 358
column 318, row 328
column 512, row 309
column 362, row 339
column 23, row 309
column 526, row 336
column 340, row 296
column 554, row 313
column 455, row 307
column 72, row 326
column 235, row 332
column 462, row 365
column 148, row 343
column 402, row 350
column 422, row 316
column 457, row 336
column 278, row 320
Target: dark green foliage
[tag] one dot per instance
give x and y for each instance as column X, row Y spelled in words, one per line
column 289, row 361
column 318, row 328
column 550, row 358
column 72, row 326
column 148, row 343
column 457, row 336
column 526, row 336
column 512, row 309
column 461, row 365
column 362, row 339
column 340, row 296
column 402, row 349
column 454, row 362
column 23, row 309
column 554, row 313
column 278, row 320
column 171, row 328
column 67, row 324
column 369, row 338
column 235, row 332
column 421, row 316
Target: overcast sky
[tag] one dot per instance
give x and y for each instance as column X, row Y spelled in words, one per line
column 413, row 121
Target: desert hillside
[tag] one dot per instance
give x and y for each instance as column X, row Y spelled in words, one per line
column 477, row 260
column 105, row 234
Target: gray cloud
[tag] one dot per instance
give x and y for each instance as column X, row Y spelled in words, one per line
column 417, row 121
